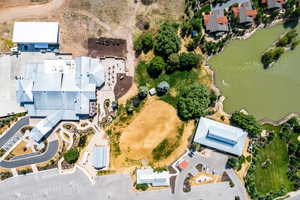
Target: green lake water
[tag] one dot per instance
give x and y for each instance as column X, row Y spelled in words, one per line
column 266, row 94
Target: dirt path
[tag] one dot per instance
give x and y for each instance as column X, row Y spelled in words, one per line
column 8, row 14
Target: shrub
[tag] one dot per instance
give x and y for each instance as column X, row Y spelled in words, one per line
column 71, row 156
column 188, row 60
column 142, row 187
column 162, row 88
column 156, row 66
column 173, row 63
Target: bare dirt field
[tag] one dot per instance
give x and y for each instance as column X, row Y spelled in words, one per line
column 155, row 122
column 21, row 149
column 13, row 3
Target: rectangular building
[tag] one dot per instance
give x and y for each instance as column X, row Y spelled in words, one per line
column 220, row 136
column 33, row 36
column 99, row 157
column 148, row 176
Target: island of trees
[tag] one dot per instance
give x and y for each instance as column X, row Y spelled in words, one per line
column 286, row 42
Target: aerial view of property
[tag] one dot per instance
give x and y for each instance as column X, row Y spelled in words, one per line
column 149, row 100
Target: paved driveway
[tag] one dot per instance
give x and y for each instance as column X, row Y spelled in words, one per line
column 50, row 152
column 13, row 130
column 215, row 161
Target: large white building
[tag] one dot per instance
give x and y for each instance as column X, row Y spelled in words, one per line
column 33, row 36
column 148, row 176
column 59, row 90
column 220, row 136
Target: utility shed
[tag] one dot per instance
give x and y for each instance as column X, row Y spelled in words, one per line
column 148, row 176
column 31, row 36
column 220, row 136
column 99, row 157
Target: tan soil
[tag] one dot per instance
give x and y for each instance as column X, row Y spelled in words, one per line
column 194, row 181
column 24, row 168
column 3, row 170
column 19, row 149
column 243, row 172
column 155, row 122
column 14, row 3
column 131, row 93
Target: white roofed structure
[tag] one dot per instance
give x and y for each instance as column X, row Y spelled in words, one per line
column 148, row 176
column 220, row 136
column 59, row 90
column 36, row 32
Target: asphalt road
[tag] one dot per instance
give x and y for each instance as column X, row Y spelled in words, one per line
column 13, row 130
column 47, row 155
column 297, row 197
column 50, row 185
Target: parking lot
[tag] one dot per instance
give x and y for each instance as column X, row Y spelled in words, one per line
column 52, row 186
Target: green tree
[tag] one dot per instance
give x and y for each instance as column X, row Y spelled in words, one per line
column 156, row 66
column 138, row 46
column 147, row 41
column 166, row 41
column 71, row 156
column 246, row 122
column 193, row 101
column 172, row 63
column 188, row 60
column 143, row 92
column 142, row 187
column 233, row 163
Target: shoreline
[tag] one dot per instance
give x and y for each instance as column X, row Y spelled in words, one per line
column 217, row 91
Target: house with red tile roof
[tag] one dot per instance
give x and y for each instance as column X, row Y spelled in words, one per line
column 273, row 4
column 216, row 22
column 245, row 13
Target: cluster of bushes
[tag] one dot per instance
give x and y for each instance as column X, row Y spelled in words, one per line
column 143, row 43
column 142, row 186
column 288, row 131
column 247, row 123
column 288, row 39
column 236, row 163
column 271, row 56
column 7, row 120
column 71, row 156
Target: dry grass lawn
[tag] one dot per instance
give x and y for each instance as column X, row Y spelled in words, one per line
column 154, row 123
column 19, row 149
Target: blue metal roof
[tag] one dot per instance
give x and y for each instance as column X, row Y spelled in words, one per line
column 220, row 136
column 99, row 157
